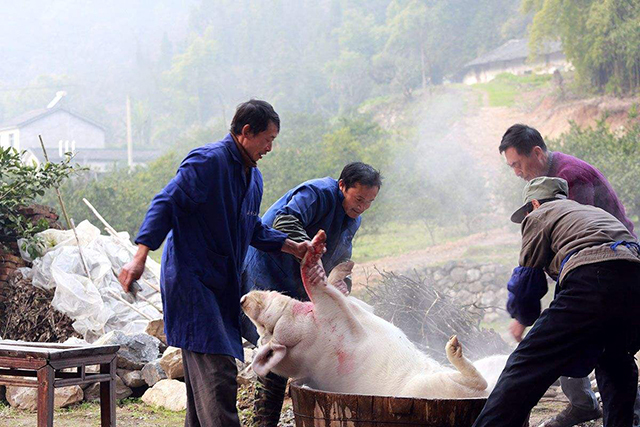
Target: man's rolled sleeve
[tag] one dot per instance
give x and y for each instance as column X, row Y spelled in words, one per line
column 528, row 283
column 526, row 287
column 266, row 238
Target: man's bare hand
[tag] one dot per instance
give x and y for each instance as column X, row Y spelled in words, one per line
column 133, row 270
column 296, row 249
column 517, row 329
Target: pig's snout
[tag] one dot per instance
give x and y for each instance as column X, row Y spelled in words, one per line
column 243, row 300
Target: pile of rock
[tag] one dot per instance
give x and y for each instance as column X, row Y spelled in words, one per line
column 146, row 368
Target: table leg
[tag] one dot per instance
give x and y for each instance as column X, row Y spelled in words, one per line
column 45, row 396
column 108, row 395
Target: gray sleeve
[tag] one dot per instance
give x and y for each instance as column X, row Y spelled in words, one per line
column 292, row 226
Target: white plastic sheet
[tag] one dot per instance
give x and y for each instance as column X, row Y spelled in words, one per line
column 90, row 302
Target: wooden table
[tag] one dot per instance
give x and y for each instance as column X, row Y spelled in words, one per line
column 40, row 365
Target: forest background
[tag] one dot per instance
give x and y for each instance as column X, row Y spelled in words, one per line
column 346, row 77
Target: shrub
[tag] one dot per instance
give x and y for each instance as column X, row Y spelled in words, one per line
column 615, row 153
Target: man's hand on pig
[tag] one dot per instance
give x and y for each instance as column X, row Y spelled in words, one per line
column 298, row 250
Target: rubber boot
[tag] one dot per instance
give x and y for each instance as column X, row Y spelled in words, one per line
column 268, row 401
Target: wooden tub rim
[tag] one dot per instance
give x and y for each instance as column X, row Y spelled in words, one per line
column 297, row 385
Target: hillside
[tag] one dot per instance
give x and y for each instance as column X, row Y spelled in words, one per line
column 465, row 116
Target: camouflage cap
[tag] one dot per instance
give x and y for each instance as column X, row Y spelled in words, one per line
column 541, row 188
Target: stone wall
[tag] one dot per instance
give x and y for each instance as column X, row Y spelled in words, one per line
column 481, row 286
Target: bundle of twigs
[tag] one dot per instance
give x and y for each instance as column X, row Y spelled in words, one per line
column 29, row 315
column 429, row 317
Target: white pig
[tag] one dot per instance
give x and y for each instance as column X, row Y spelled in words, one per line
column 335, row 343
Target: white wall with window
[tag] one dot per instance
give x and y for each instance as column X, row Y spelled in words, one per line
column 10, row 138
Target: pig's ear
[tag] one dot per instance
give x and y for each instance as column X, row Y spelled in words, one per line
column 267, row 358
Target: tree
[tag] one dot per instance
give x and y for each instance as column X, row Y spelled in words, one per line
column 600, row 38
column 615, row 153
column 406, row 43
column 194, row 78
column 20, row 185
column 359, row 39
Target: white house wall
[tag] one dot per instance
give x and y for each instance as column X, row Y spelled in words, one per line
column 61, row 125
column 5, row 139
column 488, row 72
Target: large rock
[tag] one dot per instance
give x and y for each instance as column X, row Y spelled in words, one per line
column 27, row 397
column 168, row 394
column 473, row 275
column 135, row 350
column 475, row 287
column 93, row 392
column 131, row 379
column 171, row 363
column 153, row 372
column 155, row 328
column 458, row 275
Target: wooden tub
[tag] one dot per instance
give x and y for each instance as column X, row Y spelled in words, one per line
column 313, row 408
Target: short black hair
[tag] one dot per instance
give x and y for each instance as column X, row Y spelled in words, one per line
column 360, row 173
column 255, row 113
column 541, row 201
column 523, row 138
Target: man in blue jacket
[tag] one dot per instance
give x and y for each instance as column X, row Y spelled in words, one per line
column 325, row 204
column 209, row 215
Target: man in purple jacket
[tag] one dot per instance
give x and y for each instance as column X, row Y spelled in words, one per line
column 528, row 156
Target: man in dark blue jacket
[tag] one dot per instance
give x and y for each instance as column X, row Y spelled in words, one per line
column 209, row 215
column 325, row 204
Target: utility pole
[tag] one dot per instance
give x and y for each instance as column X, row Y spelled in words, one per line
column 129, row 139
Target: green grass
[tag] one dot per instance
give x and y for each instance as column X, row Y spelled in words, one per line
column 399, row 238
column 504, row 89
column 129, row 412
column 503, row 254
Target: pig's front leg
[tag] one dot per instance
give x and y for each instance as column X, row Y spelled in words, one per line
column 326, row 299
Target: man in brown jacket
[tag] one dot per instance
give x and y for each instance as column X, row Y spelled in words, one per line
column 592, row 321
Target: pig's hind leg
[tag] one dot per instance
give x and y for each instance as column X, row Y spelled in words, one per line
column 465, row 382
column 467, row 374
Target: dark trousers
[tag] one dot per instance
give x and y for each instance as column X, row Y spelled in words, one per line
column 211, row 390
column 592, row 322
column 579, row 393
